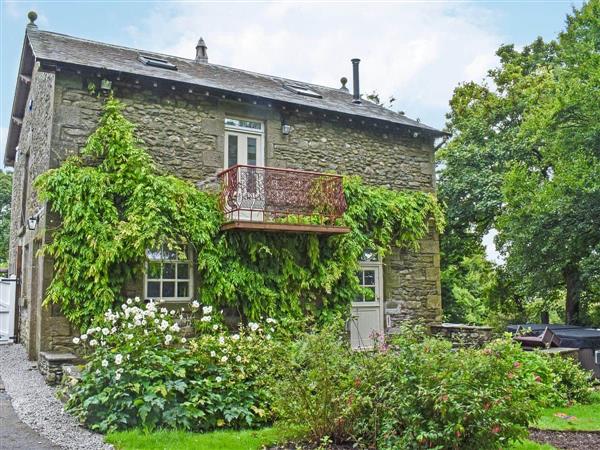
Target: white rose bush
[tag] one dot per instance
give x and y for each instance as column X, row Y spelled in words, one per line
column 143, row 372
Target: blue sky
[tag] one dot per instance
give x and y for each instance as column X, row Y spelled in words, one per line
column 416, row 51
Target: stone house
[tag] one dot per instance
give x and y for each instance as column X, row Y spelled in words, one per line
column 197, row 119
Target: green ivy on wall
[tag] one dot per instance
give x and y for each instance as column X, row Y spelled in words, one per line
column 114, row 204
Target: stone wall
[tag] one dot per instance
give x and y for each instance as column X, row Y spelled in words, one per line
column 184, row 133
column 462, row 335
column 32, row 160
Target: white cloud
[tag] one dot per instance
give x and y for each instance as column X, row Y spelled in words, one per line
column 416, row 52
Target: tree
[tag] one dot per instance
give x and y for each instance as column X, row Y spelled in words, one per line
column 5, row 205
column 524, row 161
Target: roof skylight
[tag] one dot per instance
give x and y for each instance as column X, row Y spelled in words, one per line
column 156, row 62
column 302, row 90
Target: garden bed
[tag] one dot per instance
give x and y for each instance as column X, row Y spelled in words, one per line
column 568, row 440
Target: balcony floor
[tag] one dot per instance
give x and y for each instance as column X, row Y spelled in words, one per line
column 247, row 225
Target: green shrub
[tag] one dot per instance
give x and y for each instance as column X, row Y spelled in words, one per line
column 419, row 392
column 142, row 373
column 312, row 384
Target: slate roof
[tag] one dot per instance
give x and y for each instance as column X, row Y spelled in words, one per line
column 59, row 48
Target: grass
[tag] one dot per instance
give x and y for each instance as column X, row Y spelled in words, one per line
column 182, row 440
column 530, row 445
column 572, row 418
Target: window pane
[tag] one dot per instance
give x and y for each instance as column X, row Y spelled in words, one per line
column 169, row 254
column 153, row 289
column 154, row 254
column 168, row 271
column 359, row 274
column 183, row 289
column 232, row 150
column 168, row 289
column 154, row 270
column 183, row 271
column 369, row 256
column 251, row 151
column 369, row 277
column 370, row 294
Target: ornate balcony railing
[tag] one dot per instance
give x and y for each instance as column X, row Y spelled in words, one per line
column 253, row 195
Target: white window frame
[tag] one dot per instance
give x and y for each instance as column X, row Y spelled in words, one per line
column 176, row 262
column 378, row 266
column 240, row 130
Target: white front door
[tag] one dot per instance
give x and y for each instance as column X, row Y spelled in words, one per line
column 366, row 324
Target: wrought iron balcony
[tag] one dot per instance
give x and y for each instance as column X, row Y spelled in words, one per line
column 272, row 199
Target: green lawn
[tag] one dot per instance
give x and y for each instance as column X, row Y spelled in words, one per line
column 574, row 418
column 182, row 440
column 530, row 445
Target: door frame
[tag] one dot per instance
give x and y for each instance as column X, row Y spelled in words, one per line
column 231, row 129
column 379, row 292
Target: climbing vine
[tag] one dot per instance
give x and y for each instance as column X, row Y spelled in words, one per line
column 114, row 204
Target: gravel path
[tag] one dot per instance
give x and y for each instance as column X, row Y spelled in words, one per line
column 37, row 406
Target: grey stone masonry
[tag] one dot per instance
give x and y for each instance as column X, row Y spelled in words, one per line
column 51, row 365
column 185, row 135
column 462, row 335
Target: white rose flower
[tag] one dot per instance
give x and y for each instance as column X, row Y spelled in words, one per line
column 156, row 321
column 90, row 331
column 221, row 340
column 172, row 312
column 175, row 328
column 137, row 299
column 235, row 337
column 93, row 342
column 205, row 319
column 215, row 327
column 75, row 340
column 224, row 359
column 268, row 336
column 105, row 331
column 104, row 363
column 117, row 376
column 183, row 340
column 98, row 372
column 271, row 320
column 84, row 337
column 168, row 339
column 118, row 359
column 253, row 326
column 218, row 379
column 163, row 325
column 123, row 306
column 238, row 358
column 164, row 310
column 129, row 301
column 113, row 330
column 195, row 304
column 206, row 310
column 213, row 354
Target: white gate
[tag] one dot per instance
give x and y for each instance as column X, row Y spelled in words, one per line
column 7, row 308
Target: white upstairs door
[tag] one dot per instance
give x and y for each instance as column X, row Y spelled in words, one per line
column 244, row 145
column 366, row 322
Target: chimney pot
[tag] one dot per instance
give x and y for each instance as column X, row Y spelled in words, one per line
column 201, row 52
column 355, row 82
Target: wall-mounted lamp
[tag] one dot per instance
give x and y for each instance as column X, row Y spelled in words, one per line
column 286, row 129
column 105, row 85
column 32, row 222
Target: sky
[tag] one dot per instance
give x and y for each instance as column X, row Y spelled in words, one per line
column 415, row 51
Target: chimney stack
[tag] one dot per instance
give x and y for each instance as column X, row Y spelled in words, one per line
column 201, row 52
column 355, row 83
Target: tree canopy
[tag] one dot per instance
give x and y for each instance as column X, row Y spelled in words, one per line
column 525, row 160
